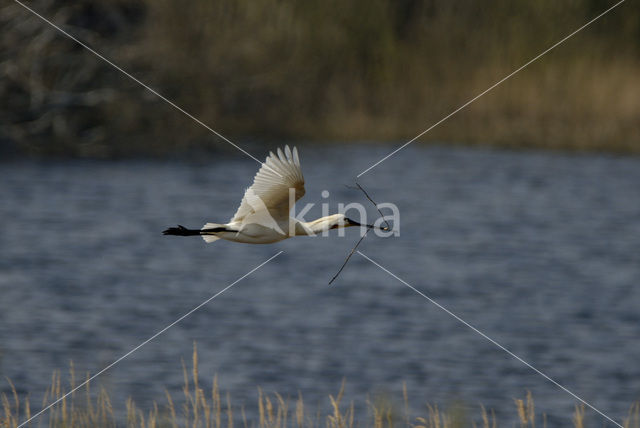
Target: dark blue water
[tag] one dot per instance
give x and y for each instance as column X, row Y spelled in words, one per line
column 540, row 251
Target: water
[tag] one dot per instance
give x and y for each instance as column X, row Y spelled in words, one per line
column 540, row 251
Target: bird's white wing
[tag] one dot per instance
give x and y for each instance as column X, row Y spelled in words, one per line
column 270, row 188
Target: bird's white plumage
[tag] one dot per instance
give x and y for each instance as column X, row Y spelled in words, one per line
column 270, row 188
column 263, row 215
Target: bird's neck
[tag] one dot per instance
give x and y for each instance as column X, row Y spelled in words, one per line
column 306, row 228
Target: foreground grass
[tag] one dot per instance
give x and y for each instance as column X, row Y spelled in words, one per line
column 214, row 410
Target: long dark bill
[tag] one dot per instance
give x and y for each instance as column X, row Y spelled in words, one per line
column 368, row 226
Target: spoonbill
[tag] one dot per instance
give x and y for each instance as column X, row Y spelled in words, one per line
column 263, row 216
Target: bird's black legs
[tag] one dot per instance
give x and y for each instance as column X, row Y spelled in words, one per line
column 181, row 231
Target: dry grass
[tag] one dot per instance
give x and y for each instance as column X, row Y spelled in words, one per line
column 369, row 70
column 212, row 409
column 318, row 70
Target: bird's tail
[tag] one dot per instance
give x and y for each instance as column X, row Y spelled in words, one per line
column 207, row 232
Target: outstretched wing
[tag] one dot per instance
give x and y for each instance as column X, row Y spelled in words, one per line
column 270, row 189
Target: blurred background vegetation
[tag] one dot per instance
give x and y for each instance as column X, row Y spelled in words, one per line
column 374, row 70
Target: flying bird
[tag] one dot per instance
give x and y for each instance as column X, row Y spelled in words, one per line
column 263, row 216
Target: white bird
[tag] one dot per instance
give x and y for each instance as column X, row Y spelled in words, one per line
column 263, row 216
